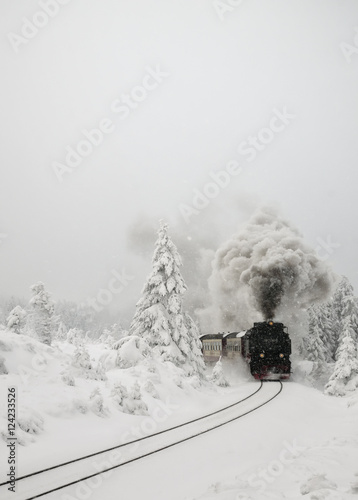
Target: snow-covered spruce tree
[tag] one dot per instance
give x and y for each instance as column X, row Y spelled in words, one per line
column 316, row 351
column 349, row 317
column 42, row 311
column 340, row 310
column 159, row 317
column 16, row 319
column 325, row 319
column 345, row 375
column 218, row 376
column 194, row 356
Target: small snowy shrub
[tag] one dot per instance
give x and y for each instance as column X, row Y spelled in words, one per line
column 100, row 373
column 119, row 394
column 150, row 366
column 134, row 404
column 129, row 402
column 218, row 376
column 80, row 406
column 150, row 389
column 74, row 336
column 68, row 379
column 131, row 351
column 16, row 319
column 315, row 483
column 96, row 403
column 81, row 358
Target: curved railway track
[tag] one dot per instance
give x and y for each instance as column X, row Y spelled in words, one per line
column 58, row 477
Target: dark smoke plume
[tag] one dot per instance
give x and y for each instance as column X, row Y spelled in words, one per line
column 265, row 268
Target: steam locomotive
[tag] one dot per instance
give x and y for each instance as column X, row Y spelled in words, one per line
column 266, row 347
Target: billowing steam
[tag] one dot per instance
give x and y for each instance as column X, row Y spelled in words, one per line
column 265, row 268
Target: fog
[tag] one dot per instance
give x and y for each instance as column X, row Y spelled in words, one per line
column 117, row 114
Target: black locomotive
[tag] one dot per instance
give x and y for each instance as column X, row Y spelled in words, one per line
column 266, row 347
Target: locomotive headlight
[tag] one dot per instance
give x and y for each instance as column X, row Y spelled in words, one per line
column 262, row 355
column 282, row 356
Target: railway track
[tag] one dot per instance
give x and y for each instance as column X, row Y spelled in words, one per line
column 60, row 478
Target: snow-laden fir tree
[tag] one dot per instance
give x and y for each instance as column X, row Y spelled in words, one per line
column 42, row 311
column 218, row 376
column 323, row 317
column 340, row 309
column 16, row 319
column 349, row 316
column 159, row 317
column 345, row 375
column 316, row 350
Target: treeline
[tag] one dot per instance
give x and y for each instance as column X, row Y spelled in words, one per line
column 332, row 341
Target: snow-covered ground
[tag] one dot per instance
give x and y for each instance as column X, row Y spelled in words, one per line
column 301, row 445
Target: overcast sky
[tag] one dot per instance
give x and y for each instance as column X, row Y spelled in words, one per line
column 180, row 88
